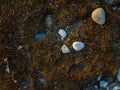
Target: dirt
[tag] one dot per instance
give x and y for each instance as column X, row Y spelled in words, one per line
column 20, row 20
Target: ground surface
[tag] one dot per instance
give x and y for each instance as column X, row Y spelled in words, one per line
column 42, row 58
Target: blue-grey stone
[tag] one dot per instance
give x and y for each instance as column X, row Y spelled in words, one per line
column 39, row 35
column 103, row 84
column 42, row 80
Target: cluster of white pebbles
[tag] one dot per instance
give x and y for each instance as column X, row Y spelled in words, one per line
column 77, row 46
column 98, row 16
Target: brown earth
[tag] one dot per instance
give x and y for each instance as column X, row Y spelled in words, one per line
column 21, row 19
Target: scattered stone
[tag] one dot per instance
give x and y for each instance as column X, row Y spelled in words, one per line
column 78, row 46
column 5, row 60
column 99, row 78
column 19, row 47
column 118, row 75
column 116, row 88
column 42, row 80
column 48, row 20
column 98, row 16
column 7, row 69
column 103, row 84
column 65, row 49
column 39, row 35
column 95, row 87
column 62, row 33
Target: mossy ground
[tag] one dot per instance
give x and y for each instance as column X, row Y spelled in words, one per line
column 21, row 19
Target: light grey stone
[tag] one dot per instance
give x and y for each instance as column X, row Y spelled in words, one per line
column 77, row 46
column 98, row 16
column 65, row 49
column 62, row 33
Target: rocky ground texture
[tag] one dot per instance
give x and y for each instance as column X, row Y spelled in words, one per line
column 34, row 55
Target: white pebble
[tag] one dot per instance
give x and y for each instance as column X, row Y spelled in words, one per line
column 98, row 16
column 65, row 49
column 118, row 75
column 19, row 47
column 62, row 33
column 103, row 84
column 78, row 46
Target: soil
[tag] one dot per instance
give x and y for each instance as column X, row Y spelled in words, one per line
column 20, row 20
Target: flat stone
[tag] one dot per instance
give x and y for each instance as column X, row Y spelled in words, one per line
column 62, row 33
column 98, row 16
column 65, row 49
column 118, row 75
column 77, row 46
column 39, row 35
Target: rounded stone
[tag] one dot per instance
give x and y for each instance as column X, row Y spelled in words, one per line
column 77, row 46
column 98, row 16
column 62, row 33
column 65, row 49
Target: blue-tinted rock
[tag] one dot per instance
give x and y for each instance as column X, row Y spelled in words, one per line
column 39, row 35
column 103, row 84
column 42, row 80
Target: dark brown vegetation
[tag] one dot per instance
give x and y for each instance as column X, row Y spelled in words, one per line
column 21, row 19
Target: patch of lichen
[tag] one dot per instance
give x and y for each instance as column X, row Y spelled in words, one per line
column 20, row 20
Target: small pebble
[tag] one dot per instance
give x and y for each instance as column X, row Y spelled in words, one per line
column 5, row 60
column 42, row 80
column 19, row 47
column 62, row 33
column 65, row 49
column 116, row 88
column 99, row 78
column 98, row 16
column 103, row 84
column 78, row 46
column 7, row 69
column 118, row 75
column 48, row 20
column 39, row 35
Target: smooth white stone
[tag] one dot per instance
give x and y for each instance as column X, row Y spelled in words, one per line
column 98, row 16
column 65, row 49
column 62, row 33
column 118, row 75
column 103, row 84
column 78, row 46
